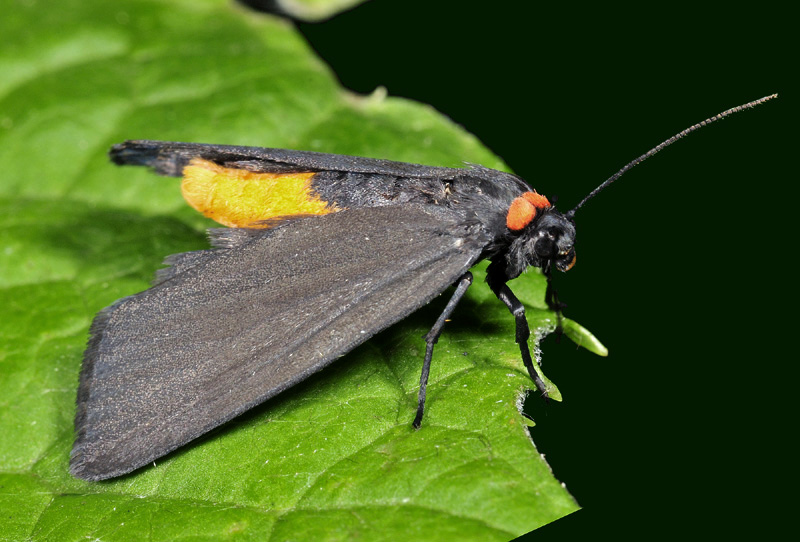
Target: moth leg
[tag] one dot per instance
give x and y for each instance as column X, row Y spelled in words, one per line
column 433, row 336
column 523, row 332
column 551, row 298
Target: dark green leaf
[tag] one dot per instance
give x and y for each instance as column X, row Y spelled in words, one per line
column 334, row 458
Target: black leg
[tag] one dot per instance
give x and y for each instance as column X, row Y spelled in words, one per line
column 551, row 298
column 504, row 294
column 433, row 335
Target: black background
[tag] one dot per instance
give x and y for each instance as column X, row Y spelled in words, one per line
column 684, row 266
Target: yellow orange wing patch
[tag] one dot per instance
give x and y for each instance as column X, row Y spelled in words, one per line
column 241, row 198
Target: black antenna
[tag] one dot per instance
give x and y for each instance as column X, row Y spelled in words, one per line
column 666, row 143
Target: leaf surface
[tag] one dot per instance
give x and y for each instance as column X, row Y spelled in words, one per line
column 334, row 458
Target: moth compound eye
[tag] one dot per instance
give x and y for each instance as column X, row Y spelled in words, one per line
column 545, row 247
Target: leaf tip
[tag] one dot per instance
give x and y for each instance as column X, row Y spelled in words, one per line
column 583, row 337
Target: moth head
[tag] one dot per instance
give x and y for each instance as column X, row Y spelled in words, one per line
column 552, row 241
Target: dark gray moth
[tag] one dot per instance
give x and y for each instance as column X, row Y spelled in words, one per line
column 224, row 329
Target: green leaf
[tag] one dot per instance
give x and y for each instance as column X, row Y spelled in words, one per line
column 313, row 10
column 583, row 337
column 333, row 458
